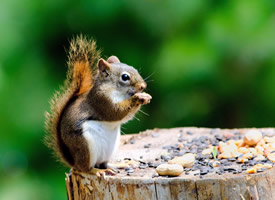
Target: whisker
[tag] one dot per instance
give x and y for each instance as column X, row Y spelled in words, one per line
column 144, row 112
column 122, row 133
column 150, row 81
column 137, row 119
column 149, row 76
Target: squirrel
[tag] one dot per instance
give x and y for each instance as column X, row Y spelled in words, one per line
column 83, row 126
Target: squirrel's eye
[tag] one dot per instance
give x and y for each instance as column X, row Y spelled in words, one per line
column 125, row 77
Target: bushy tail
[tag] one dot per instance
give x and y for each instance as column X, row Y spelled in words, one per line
column 82, row 60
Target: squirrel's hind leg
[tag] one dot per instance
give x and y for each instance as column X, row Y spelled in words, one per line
column 82, row 161
column 81, row 154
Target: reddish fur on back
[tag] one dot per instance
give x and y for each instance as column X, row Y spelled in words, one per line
column 82, row 59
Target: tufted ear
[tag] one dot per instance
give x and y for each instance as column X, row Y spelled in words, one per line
column 113, row 59
column 103, row 65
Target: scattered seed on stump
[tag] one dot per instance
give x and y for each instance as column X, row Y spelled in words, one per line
column 169, row 169
column 235, row 153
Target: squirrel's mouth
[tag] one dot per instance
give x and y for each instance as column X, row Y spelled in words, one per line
column 138, row 89
column 131, row 92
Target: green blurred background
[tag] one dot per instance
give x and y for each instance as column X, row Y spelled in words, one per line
column 212, row 64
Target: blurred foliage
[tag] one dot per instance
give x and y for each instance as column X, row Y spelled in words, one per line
column 211, row 63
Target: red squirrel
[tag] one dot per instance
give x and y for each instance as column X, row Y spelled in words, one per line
column 83, row 126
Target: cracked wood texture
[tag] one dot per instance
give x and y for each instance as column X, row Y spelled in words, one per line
column 140, row 185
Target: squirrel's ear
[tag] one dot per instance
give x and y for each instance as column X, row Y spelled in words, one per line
column 103, row 65
column 113, row 59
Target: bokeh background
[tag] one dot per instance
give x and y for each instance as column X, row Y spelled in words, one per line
column 211, row 64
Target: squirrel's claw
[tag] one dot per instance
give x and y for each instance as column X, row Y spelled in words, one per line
column 103, row 172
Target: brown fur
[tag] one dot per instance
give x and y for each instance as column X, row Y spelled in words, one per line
column 82, row 59
column 90, row 94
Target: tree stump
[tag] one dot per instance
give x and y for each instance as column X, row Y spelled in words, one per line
column 143, row 183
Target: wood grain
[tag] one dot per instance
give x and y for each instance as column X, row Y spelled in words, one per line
column 141, row 185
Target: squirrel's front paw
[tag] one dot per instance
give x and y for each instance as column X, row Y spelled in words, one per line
column 142, row 98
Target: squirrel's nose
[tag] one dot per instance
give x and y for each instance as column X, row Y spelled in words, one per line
column 141, row 86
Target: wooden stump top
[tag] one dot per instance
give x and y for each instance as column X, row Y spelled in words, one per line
column 142, row 183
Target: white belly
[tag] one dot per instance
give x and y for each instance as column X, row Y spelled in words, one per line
column 103, row 139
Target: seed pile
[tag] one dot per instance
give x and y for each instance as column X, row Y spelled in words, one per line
column 230, row 152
